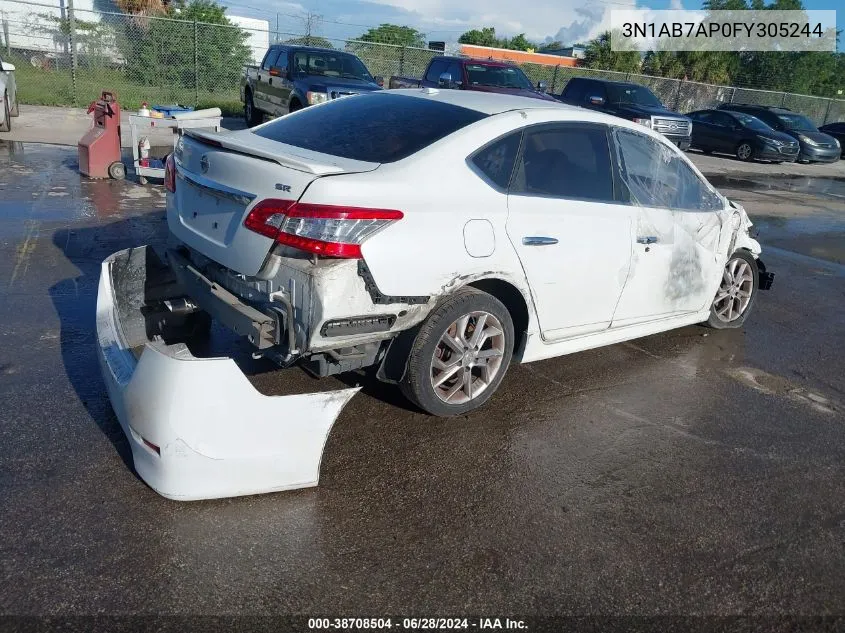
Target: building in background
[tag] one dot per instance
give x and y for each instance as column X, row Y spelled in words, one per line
column 259, row 35
column 518, row 57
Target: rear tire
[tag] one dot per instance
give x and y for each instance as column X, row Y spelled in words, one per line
column 252, row 116
column 6, row 126
column 460, row 354
column 737, row 292
column 117, row 170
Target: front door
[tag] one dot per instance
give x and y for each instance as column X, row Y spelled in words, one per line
column 678, row 223
column 572, row 237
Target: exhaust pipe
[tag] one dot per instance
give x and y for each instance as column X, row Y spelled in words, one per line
column 182, row 305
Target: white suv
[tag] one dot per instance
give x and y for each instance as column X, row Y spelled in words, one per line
column 438, row 235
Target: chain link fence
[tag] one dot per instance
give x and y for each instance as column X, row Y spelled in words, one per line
column 66, row 57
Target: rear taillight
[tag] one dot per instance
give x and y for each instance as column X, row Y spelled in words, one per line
column 329, row 230
column 170, row 174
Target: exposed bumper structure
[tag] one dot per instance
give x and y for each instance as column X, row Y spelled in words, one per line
column 197, row 428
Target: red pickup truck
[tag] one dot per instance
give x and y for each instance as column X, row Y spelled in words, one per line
column 483, row 75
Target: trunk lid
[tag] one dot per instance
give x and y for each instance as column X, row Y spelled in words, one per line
column 222, row 176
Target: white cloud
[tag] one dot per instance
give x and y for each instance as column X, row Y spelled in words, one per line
column 569, row 21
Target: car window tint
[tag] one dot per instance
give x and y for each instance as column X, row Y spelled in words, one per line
column 437, row 68
column 455, row 71
column 270, row 59
column 378, row 127
column 566, row 161
column 282, row 61
column 657, row 176
column 725, row 120
column 496, row 161
column 703, row 116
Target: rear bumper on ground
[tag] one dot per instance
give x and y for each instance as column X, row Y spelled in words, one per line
column 197, row 427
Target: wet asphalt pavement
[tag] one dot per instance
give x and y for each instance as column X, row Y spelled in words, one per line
column 696, row 472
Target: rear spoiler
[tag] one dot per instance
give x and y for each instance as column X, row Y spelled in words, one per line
column 226, row 141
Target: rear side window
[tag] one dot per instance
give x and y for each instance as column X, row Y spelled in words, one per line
column 282, row 61
column 377, row 128
column 496, row 161
column 566, row 161
column 656, row 176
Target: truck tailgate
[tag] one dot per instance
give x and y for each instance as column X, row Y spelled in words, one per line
column 220, row 177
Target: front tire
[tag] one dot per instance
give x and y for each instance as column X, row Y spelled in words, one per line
column 737, row 292
column 460, row 354
column 744, row 151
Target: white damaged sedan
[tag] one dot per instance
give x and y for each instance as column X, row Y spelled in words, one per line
column 435, row 236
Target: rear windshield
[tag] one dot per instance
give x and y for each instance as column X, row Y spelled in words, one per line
column 377, row 128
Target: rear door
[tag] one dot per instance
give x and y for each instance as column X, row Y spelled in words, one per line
column 725, row 135
column 677, row 232
column 262, row 97
column 572, row 237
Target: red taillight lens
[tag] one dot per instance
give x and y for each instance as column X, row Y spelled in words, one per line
column 170, row 174
column 329, row 230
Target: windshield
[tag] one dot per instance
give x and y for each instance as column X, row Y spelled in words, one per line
column 751, row 122
column 637, row 95
column 328, row 64
column 497, row 76
column 797, row 122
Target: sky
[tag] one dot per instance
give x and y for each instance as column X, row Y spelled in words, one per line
column 568, row 21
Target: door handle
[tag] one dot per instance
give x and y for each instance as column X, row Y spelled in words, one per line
column 646, row 240
column 539, row 241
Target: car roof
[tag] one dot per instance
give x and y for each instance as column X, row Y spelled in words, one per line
column 485, row 102
column 476, row 60
column 609, row 81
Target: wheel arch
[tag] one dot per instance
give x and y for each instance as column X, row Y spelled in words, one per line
column 514, row 301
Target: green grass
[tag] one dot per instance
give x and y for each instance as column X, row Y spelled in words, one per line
column 37, row 86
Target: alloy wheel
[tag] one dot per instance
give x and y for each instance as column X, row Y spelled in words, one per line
column 734, row 293
column 467, row 358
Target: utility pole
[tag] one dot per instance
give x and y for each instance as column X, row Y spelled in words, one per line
column 311, row 21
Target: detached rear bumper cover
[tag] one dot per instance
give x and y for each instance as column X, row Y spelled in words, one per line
column 197, row 428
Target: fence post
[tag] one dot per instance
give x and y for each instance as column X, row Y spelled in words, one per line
column 402, row 62
column 678, row 95
column 554, row 78
column 782, row 99
column 196, row 69
column 6, row 38
column 72, row 27
column 827, row 111
column 733, row 94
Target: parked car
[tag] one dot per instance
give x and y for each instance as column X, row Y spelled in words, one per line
column 816, row 146
column 334, row 250
column 743, row 135
column 479, row 75
column 8, row 96
column 628, row 101
column 837, row 131
column 294, row 77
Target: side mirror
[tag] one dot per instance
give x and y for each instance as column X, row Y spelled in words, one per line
column 6, row 67
column 445, row 80
column 542, row 86
column 596, row 100
column 379, row 80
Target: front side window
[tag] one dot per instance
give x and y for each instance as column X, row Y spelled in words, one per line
column 633, row 94
column 797, row 122
column 496, row 161
column 566, row 161
column 656, row 176
column 436, row 69
column 270, row 59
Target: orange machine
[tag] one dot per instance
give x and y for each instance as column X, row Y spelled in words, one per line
column 99, row 149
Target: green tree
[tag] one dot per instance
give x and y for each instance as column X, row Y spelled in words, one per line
column 394, row 34
column 310, row 40
column 483, row 37
column 162, row 52
column 520, row 43
column 598, row 54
